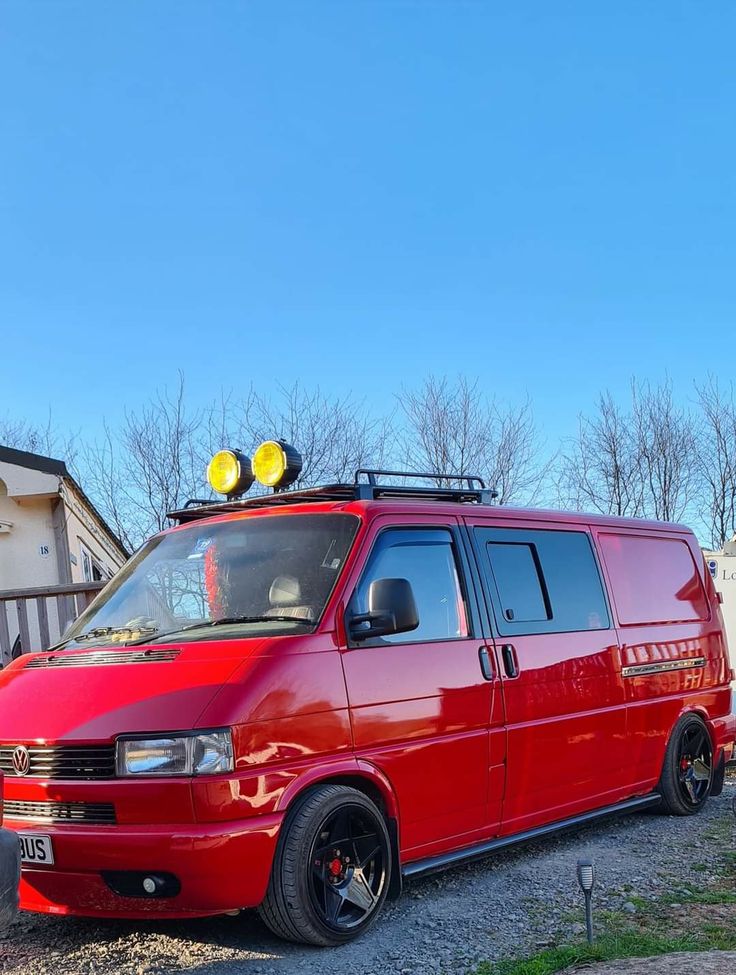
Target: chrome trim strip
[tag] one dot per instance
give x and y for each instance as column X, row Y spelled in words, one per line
column 641, row 670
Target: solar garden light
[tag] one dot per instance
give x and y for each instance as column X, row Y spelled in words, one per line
column 586, row 879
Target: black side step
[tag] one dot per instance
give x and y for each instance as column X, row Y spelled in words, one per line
column 445, row 860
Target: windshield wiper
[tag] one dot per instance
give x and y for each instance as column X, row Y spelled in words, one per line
column 250, row 619
column 151, row 632
column 223, row 621
column 98, row 632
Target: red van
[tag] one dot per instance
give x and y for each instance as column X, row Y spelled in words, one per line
column 294, row 701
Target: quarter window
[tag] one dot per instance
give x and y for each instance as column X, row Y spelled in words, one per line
column 654, row 579
column 426, row 558
column 542, row 581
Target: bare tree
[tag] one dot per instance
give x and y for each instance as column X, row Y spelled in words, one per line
column 37, row 439
column 716, row 460
column 665, row 451
column 334, row 435
column 599, row 469
column 148, row 467
column 636, row 462
column 452, row 428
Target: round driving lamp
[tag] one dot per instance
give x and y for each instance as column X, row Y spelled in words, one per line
column 276, row 464
column 229, row 472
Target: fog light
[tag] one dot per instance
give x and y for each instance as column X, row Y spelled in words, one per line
column 276, row 464
column 137, row 883
column 229, row 473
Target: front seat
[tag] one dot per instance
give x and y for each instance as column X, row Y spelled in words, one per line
column 285, row 599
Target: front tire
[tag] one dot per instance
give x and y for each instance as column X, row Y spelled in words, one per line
column 331, row 870
column 687, row 774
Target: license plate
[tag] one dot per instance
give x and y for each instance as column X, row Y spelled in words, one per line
column 36, row 849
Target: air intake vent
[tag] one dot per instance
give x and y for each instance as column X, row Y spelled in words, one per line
column 96, row 658
column 97, row 813
column 62, row 761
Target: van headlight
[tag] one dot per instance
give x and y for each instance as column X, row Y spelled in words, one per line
column 193, row 753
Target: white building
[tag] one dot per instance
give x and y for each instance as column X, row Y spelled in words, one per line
column 51, row 536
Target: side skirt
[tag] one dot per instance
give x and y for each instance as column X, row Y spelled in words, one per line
column 445, row 860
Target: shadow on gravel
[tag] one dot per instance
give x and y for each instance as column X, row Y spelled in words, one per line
column 246, row 932
column 35, row 933
column 432, row 916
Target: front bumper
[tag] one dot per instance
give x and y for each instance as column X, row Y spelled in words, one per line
column 221, row 867
column 9, row 877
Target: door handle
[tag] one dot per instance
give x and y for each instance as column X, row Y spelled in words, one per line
column 510, row 662
column 486, row 665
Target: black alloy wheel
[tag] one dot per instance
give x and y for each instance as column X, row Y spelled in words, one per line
column 695, row 765
column 687, row 774
column 332, row 868
column 349, row 862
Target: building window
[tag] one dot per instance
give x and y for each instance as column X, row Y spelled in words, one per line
column 86, row 564
column 92, row 570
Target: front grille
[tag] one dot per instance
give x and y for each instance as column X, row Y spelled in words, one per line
column 63, row 761
column 98, row 813
column 96, row 658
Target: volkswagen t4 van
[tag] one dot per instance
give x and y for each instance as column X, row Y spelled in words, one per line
column 293, row 701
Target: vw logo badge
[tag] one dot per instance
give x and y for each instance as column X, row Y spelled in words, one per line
column 21, row 760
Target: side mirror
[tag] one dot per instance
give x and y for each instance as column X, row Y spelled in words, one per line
column 391, row 609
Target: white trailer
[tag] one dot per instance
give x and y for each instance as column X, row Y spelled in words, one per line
column 722, row 566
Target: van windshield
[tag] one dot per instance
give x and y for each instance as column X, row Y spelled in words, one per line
column 271, row 574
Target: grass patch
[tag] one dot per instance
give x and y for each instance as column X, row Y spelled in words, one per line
column 700, row 897
column 641, row 903
column 626, row 944
column 703, row 920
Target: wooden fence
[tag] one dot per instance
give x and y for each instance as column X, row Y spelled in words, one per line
column 35, row 619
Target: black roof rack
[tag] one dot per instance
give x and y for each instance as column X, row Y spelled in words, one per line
column 365, row 487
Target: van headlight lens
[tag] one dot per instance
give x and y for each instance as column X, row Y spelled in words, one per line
column 188, row 754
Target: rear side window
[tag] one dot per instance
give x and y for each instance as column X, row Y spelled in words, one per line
column 542, row 581
column 654, row 580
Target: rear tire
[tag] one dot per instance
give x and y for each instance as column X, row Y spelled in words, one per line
column 332, row 868
column 687, row 773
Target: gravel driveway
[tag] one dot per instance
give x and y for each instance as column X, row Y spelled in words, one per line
column 510, row 903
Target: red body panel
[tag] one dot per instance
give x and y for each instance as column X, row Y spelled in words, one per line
column 455, row 757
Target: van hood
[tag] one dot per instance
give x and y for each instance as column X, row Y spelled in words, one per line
column 95, row 695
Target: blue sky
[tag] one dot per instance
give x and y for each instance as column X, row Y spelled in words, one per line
column 356, row 194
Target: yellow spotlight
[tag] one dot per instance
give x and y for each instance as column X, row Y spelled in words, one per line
column 276, row 464
column 229, row 473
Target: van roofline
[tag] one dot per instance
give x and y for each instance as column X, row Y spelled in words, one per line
column 336, row 498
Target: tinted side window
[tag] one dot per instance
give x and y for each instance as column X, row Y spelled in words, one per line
column 426, row 558
column 654, row 580
column 542, row 581
column 519, row 581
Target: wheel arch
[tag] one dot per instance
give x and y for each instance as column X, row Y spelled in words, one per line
column 359, row 775
column 373, row 783
column 698, row 711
